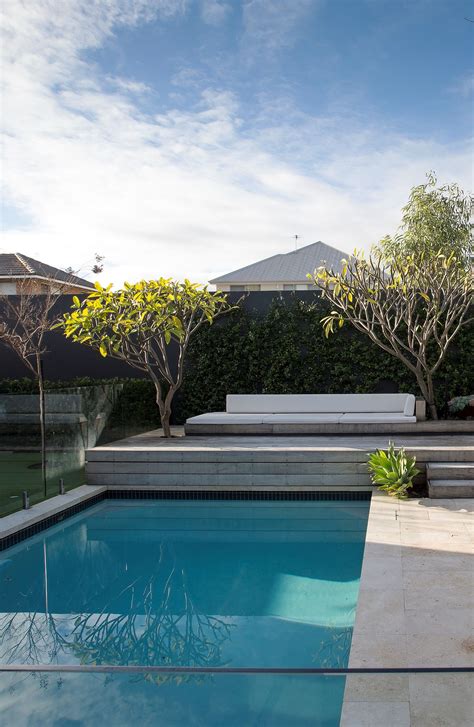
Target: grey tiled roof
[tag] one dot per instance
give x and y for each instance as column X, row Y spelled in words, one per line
column 292, row 266
column 19, row 265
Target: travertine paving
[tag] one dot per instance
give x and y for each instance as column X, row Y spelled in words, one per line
column 42, row 510
column 415, row 609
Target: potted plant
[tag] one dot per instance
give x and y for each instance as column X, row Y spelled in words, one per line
column 461, row 407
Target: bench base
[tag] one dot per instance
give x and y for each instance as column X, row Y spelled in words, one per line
column 443, row 426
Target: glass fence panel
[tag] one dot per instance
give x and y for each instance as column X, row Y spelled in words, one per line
column 134, row 411
column 169, row 700
column 214, row 699
column 66, row 445
column 20, row 470
column 20, row 458
column 75, row 419
column 37, row 465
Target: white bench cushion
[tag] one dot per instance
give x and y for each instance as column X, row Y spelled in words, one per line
column 376, row 418
column 223, row 417
column 409, row 408
column 320, row 403
column 301, row 418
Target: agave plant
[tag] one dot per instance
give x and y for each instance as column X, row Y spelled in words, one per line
column 393, row 471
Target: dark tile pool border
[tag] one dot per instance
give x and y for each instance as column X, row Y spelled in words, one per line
column 255, row 495
column 112, row 494
column 48, row 521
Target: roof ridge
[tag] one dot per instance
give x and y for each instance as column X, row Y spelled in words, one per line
column 291, row 266
column 25, row 264
column 264, row 260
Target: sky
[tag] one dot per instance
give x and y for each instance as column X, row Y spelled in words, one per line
column 187, row 138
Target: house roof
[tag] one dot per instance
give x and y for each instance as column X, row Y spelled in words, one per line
column 17, row 265
column 291, row 266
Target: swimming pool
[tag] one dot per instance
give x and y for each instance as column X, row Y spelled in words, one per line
column 214, row 584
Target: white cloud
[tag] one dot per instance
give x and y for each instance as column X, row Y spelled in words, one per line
column 214, row 12
column 188, row 77
column 129, row 85
column 193, row 192
column 270, row 25
column 465, row 87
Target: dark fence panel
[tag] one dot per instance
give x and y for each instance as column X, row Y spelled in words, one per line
column 67, row 360
column 64, row 359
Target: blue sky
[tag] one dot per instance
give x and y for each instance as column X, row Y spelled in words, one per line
column 190, row 137
column 402, row 61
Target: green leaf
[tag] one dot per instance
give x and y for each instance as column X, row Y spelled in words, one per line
column 392, row 471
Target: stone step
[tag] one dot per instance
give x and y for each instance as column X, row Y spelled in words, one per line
column 226, row 455
column 227, row 468
column 216, row 481
column 307, row 455
column 451, row 488
column 450, row 470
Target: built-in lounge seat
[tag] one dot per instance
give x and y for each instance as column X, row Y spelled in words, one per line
column 251, row 413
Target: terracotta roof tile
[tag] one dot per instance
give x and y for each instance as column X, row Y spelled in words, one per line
column 17, row 264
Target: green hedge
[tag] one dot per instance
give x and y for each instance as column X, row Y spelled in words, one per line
column 285, row 351
column 282, row 351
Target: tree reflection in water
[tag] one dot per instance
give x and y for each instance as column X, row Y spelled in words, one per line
column 333, row 651
column 157, row 623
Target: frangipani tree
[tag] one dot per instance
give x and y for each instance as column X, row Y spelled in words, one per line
column 140, row 323
column 434, row 220
column 411, row 306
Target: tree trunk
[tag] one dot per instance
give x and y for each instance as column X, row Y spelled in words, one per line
column 427, row 390
column 165, row 411
column 42, row 414
column 431, row 397
column 165, row 422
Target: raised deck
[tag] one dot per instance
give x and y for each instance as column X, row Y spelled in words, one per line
column 148, row 461
column 392, row 429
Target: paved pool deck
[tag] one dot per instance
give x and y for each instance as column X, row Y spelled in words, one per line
column 415, row 609
column 153, row 440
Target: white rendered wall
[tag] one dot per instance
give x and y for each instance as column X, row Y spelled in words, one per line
column 7, row 288
column 225, row 287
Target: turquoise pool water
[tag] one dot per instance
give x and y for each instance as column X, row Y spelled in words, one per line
column 181, row 583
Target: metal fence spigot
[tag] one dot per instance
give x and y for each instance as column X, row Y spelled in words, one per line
column 26, row 500
column 61, row 486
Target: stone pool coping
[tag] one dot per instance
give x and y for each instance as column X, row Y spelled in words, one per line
column 415, row 609
column 23, row 519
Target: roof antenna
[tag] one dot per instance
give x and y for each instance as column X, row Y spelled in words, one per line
column 297, row 237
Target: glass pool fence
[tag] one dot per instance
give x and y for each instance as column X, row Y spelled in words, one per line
column 274, row 697
column 75, row 419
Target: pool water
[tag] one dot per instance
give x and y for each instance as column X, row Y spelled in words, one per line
column 185, row 583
